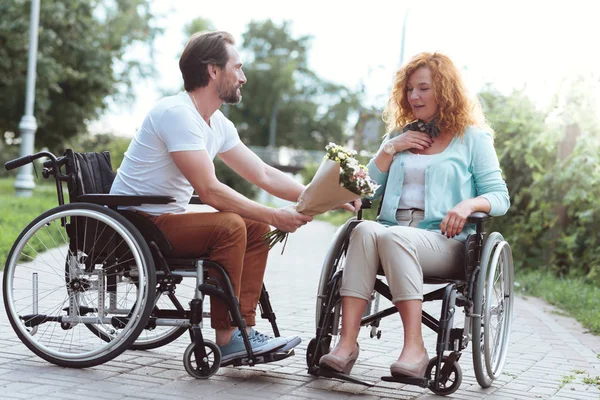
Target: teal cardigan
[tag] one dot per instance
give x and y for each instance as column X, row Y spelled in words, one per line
column 467, row 168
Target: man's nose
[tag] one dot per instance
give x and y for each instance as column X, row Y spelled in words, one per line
column 243, row 79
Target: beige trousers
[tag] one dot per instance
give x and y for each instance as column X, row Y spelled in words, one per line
column 405, row 253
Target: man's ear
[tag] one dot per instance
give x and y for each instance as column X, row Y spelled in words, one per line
column 212, row 70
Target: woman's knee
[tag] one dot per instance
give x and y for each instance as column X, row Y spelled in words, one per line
column 397, row 239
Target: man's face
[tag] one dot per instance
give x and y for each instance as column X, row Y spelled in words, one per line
column 231, row 78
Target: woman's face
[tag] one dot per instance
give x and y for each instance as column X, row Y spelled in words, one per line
column 419, row 91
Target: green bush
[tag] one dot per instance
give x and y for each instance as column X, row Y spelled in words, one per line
column 16, row 213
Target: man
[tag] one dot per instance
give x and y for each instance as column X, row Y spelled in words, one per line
column 172, row 154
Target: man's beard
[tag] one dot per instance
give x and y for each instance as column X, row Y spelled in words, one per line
column 229, row 95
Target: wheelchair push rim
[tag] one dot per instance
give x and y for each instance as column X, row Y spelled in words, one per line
column 498, row 310
column 492, row 309
column 61, row 299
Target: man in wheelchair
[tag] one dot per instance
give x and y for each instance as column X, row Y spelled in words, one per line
column 434, row 174
column 172, row 154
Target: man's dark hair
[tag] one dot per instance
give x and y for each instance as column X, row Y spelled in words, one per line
column 203, row 48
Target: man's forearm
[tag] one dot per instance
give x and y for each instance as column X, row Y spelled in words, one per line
column 223, row 198
column 281, row 185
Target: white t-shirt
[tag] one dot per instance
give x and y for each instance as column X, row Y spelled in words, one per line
column 413, row 187
column 173, row 124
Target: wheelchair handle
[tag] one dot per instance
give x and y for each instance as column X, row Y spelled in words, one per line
column 19, row 162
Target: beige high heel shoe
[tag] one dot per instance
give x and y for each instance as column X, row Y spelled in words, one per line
column 416, row 370
column 340, row 364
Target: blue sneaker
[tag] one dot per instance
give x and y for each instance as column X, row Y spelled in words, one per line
column 290, row 341
column 260, row 344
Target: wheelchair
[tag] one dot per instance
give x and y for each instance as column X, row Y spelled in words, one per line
column 485, row 293
column 86, row 281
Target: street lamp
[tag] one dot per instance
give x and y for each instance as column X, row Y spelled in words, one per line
column 24, row 183
column 403, row 36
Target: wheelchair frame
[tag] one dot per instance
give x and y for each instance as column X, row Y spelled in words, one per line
column 129, row 254
column 488, row 267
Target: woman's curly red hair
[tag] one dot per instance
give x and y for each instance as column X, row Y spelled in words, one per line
column 457, row 110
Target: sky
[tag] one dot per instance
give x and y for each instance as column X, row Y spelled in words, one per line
column 527, row 44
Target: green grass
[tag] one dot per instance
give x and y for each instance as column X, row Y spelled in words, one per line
column 575, row 296
column 16, row 213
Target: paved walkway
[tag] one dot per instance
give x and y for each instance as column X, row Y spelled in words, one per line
column 549, row 357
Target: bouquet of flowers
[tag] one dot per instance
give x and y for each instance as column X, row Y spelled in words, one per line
column 340, row 179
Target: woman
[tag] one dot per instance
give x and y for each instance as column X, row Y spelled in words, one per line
column 433, row 175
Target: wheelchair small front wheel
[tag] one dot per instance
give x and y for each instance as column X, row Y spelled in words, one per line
column 212, row 362
column 448, row 385
column 316, row 350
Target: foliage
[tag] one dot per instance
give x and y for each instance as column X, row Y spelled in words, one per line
column 227, row 176
column 554, row 200
column 285, row 103
column 16, row 213
column 198, row 25
column 82, row 62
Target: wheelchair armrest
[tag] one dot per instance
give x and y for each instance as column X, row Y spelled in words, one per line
column 113, row 200
column 478, row 217
column 196, row 200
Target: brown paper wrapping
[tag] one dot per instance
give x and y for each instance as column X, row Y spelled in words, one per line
column 324, row 191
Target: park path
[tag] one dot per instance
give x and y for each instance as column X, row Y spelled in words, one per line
column 549, row 357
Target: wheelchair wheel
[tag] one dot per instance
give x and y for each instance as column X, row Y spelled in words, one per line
column 449, row 385
column 213, row 360
column 493, row 308
column 154, row 336
column 333, row 260
column 174, row 304
column 79, row 285
column 314, row 351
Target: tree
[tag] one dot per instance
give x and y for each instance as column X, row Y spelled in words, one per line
column 82, row 62
column 285, row 103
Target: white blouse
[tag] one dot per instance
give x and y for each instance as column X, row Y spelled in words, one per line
column 413, row 188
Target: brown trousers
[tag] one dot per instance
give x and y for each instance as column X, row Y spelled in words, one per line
column 230, row 240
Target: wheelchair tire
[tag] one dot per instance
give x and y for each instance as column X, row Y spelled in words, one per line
column 213, row 359
column 160, row 336
column 153, row 337
column 78, row 274
column 492, row 308
column 451, row 384
column 332, row 261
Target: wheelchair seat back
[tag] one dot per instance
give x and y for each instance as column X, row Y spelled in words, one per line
column 92, row 173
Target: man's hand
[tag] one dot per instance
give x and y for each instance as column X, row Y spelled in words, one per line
column 454, row 221
column 287, row 219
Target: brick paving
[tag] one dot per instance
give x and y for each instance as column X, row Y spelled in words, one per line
column 549, row 357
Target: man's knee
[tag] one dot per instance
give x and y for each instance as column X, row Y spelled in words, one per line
column 233, row 223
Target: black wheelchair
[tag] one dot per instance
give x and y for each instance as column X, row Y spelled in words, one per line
column 485, row 293
column 86, row 281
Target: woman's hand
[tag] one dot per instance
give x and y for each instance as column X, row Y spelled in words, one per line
column 352, row 207
column 411, row 140
column 454, row 221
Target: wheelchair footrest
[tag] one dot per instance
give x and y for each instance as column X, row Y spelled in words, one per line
column 260, row 359
column 329, row 373
column 408, row 380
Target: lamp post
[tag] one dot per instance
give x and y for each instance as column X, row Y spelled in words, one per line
column 24, row 183
column 403, row 37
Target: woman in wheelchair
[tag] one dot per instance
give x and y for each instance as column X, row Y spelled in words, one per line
column 433, row 174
